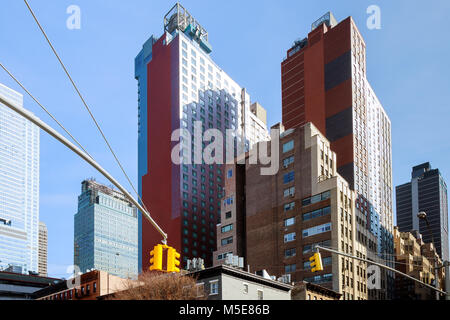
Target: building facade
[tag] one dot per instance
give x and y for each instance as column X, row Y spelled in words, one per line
column 43, row 247
column 92, row 285
column 418, row 259
column 19, row 188
column 427, row 191
column 106, row 231
column 324, row 81
column 18, row 286
column 229, row 283
column 181, row 88
column 284, row 216
column 310, row 291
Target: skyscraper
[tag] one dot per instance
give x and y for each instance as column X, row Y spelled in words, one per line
column 324, row 82
column 43, row 248
column 106, row 231
column 179, row 85
column 427, row 192
column 19, row 188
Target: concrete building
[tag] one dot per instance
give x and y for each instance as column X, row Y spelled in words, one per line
column 18, row 286
column 19, row 187
column 92, row 286
column 311, row 291
column 324, row 81
column 274, row 221
column 229, row 283
column 416, row 258
column 180, row 86
column 43, row 247
column 106, row 231
column 427, row 191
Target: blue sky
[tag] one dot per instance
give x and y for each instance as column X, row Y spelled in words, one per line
column 407, row 65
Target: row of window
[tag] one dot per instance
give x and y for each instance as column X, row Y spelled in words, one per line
column 317, row 198
column 75, row 293
column 308, row 232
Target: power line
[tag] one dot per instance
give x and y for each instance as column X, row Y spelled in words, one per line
column 45, row 109
column 84, row 103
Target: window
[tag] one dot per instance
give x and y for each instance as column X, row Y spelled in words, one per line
column 200, row 290
column 289, row 192
column 289, row 206
column 288, row 146
column 228, row 215
column 288, row 177
column 289, row 237
column 228, row 201
column 230, row 173
column 227, row 241
column 288, row 161
column 260, row 295
column 227, row 228
column 316, row 230
column 290, row 268
column 288, row 253
column 289, row 222
column 316, row 213
column 214, row 287
column 316, row 198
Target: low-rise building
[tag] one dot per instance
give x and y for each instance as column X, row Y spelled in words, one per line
column 311, row 291
column 416, row 258
column 229, row 283
column 18, row 286
column 88, row 286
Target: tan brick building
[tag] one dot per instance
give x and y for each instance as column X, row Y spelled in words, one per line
column 415, row 258
column 284, row 215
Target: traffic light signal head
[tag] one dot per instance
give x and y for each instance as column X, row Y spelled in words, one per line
column 156, row 258
column 316, row 262
column 173, row 261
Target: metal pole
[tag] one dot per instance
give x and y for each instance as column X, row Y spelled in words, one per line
column 447, row 279
column 55, row 134
column 380, row 265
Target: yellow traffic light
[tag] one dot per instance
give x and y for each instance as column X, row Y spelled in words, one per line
column 156, row 258
column 316, row 262
column 173, row 260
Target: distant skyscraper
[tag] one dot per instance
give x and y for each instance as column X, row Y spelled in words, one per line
column 324, row 81
column 19, row 187
column 106, row 231
column 427, row 192
column 43, row 247
column 179, row 84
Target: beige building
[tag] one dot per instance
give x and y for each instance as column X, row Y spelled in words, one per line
column 417, row 259
column 42, row 254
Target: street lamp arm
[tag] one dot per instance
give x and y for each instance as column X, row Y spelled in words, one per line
column 55, row 134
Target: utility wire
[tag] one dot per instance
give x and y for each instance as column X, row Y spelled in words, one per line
column 45, row 109
column 84, row 102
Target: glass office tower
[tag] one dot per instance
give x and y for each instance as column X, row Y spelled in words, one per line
column 19, row 188
column 106, row 231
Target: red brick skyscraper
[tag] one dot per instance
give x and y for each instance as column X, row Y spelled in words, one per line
column 324, row 82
